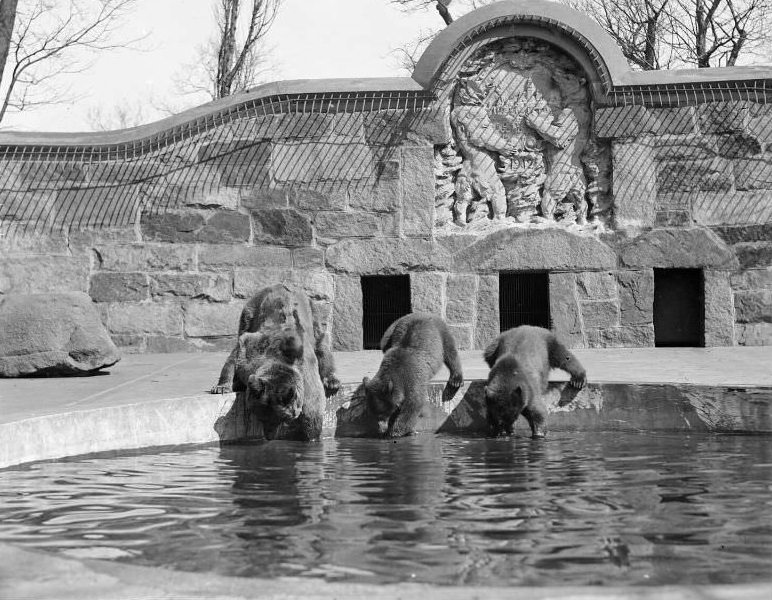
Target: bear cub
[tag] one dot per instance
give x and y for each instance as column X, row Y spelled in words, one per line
column 520, row 360
column 415, row 347
column 283, row 382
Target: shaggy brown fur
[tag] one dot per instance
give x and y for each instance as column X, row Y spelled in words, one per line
column 520, row 360
column 415, row 347
column 283, row 382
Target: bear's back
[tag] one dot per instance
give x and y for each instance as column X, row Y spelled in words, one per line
column 418, row 331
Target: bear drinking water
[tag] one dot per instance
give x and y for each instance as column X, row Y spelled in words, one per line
column 520, row 360
column 282, row 367
column 415, row 347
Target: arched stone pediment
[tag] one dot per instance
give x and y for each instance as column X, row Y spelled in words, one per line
column 569, row 30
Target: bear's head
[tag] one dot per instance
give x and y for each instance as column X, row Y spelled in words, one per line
column 273, row 385
column 381, row 400
column 506, row 392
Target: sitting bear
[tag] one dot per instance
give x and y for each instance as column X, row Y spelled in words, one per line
column 520, row 360
column 415, row 347
column 284, row 383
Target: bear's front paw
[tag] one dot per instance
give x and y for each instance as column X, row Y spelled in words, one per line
column 331, row 385
column 456, row 379
column 221, row 389
column 578, row 381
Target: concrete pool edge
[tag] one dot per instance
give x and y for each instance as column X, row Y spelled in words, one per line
column 35, row 574
column 205, row 418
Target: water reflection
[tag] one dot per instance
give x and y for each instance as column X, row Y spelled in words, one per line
column 572, row 509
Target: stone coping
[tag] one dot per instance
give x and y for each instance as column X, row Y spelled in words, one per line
column 32, row 574
column 158, row 400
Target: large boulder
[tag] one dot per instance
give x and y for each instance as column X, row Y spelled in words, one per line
column 52, row 334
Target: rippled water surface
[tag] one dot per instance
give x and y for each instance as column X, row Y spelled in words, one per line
column 589, row 508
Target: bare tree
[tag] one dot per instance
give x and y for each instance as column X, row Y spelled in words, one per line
column 7, row 18
column 235, row 58
column 48, row 41
column 121, row 116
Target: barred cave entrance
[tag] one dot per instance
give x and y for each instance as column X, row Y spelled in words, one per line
column 385, row 298
column 679, row 301
column 524, row 299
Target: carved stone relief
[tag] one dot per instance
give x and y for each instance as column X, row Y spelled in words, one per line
column 522, row 150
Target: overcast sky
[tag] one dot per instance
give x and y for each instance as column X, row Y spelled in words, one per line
column 310, row 39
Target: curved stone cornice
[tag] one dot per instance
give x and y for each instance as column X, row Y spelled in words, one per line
column 579, row 36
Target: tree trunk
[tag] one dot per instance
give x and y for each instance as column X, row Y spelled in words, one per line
column 7, row 19
column 444, row 12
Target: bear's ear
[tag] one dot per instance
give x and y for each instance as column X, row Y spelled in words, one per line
column 365, row 380
column 390, row 386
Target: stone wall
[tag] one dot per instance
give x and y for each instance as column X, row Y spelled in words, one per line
column 171, row 227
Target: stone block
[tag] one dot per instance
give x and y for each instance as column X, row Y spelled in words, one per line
column 719, row 313
column 693, row 175
column 33, row 211
column 463, row 336
column 240, row 162
column 145, row 257
column 673, row 218
column 39, row 274
column 754, row 334
column 723, row 117
column 427, row 292
column 204, row 319
column 487, row 320
column 307, row 126
column 260, row 198
column 387, row 127
column 680, row 120
column 386, row 256
column 624, row 121
column 760, row 127
column 224, row 226
column 322, row 195
column 737, row 145
column 347, row 314
column 697, row 247
column 177, row 226
column 213, row 257
column 753, row 307
column 564, row 309
column 634, row 183
column 753, row 173
column 119, row 287
column 321, row 161
column 308, row 258
column 752, row 255
column 29, row 174
column 349, row 125
column 461, row 298
column 641, row 336
column 600, row 313
column 145, row 318
column 347, row 224
column 130, row 344
column 752, row 279
column 316, row 284
column 207, row 286
column 384, row 195
column 636, row 297
column 733, row 208
column 321, row 312
column 418, row 190
column 685, row 147
column 550, row 249
column 124, row 171
column 735, row 234
column 282, row 226
column 97, row 207
column 596, row 285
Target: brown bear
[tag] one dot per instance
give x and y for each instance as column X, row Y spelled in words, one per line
column 284, row 383
column 520, row 360
column 415, row 347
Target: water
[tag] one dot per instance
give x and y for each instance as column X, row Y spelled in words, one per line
column 594, row 508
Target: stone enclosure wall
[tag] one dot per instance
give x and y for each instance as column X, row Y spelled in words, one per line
column 171, row 228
